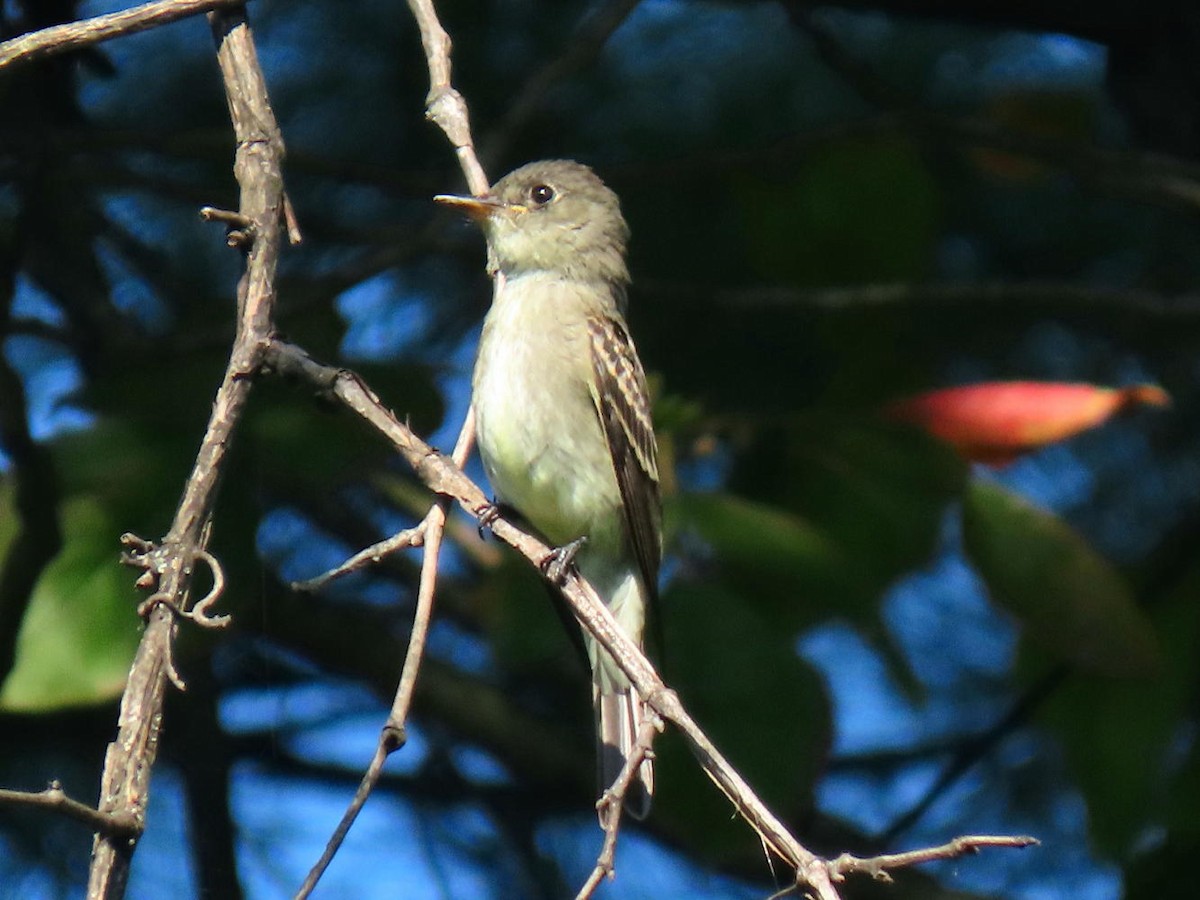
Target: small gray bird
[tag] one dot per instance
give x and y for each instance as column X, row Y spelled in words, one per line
column 562, row 412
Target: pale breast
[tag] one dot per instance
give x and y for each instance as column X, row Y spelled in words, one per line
column 538, row 433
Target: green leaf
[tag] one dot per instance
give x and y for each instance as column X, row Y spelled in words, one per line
column 775, row 558
column 80, row 632
column 1069, row 599
column 876, row 493
column 1122, row 738
column 8, row 517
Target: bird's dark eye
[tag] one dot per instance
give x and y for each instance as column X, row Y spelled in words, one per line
column 541, row 194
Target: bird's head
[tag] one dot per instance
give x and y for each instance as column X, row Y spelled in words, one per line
column 555, row 216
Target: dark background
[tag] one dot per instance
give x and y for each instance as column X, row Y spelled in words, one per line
column 831, row 207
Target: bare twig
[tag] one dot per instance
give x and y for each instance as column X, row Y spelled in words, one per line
column 442, row 476
column 611, row 805
column 55, row 799
column 74, row 35
column 879, row 866
column 402, row 540
column 128, row 763
column 443, row 104
column 393, row 735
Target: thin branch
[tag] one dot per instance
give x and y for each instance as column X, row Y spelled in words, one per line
column 443, row 104
column 128, row 762
column 442, row 476
column 393, row 735
column 878, row 866
column 978, row 747
column 401, row 540
column 54, row 799
column 75, row 35
column 611, row 805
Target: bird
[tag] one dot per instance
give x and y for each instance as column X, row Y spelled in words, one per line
column 562, row 412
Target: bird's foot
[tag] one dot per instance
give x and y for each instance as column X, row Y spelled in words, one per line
column 556, row 564
column 487, row 513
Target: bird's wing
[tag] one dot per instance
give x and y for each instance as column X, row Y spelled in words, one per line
column 623, row 405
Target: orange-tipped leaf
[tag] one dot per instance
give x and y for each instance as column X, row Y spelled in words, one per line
column 997, row 421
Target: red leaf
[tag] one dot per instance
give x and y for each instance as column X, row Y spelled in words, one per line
column 997, row 421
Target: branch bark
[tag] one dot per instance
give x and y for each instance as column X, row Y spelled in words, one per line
column 126, row 779
column 440, row 473
column 76, row 35
column 442, row 476
column 55, row 799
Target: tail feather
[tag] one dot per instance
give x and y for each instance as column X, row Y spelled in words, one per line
column 618, row 719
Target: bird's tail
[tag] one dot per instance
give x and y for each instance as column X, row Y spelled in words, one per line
column 618, row 719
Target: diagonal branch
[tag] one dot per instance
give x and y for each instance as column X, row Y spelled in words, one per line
column 443, row 476
column 75, row 35
column 446, row 107
column 128, row 762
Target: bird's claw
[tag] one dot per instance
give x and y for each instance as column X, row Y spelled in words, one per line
column 487, row 513
column 558, row 562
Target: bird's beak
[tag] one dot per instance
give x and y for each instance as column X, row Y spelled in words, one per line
column 478, row 208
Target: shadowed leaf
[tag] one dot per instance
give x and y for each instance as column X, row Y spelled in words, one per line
column 1068, row 598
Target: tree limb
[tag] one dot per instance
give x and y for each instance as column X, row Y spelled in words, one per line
column 75, row 35
column 126, row 779
column 55, row 799
column 443, row 476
